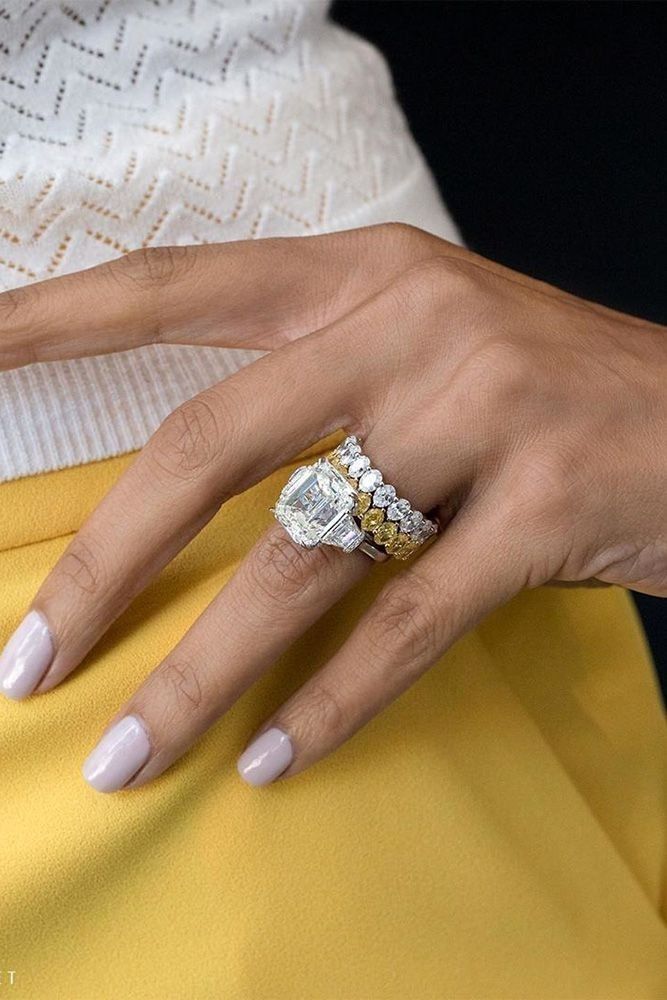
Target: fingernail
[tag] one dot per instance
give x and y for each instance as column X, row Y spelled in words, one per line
column 118, row 756
column 267, row 757
column 26, row 657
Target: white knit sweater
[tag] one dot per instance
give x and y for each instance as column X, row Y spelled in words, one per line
column 127, row 123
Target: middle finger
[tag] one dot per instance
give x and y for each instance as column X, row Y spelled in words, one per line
column 279, row 591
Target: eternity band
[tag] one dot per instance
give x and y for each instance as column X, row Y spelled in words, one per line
column 341, row 500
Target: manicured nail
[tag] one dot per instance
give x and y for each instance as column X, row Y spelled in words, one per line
column 267, row 757
column 26, row 657
column 118, row 756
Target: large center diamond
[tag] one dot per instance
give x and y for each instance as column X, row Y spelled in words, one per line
column 314, row 506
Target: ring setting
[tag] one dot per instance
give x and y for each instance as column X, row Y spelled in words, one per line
column 315, row 506
column 341, row 500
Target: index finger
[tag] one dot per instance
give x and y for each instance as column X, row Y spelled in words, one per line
column 214, row 446
column 251, row 293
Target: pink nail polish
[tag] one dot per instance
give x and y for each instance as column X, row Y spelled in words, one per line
column 267, row 757
column 118, row 756
column 26, row 657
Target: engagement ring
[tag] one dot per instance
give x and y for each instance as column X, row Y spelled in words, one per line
column 341, row 500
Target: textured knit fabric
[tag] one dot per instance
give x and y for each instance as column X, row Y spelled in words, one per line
column 498, row 833
column 133, row 123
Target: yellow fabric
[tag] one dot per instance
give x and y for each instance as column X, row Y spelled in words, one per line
column 498, row 832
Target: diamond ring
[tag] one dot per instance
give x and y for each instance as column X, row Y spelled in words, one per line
column 342, row 501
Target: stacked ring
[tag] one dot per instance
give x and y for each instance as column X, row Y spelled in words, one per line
column 392, row 521
column 342, row 501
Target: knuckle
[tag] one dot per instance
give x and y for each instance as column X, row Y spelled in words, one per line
column 284, row 572
column 404, row 625
column 187, row 441
column 81, row 568
column 319, row 711
column 546, row 487
column 500, row 372
column 425, row 278
column 405, row 235
column 417, row 289
column 21, row 325
column 12, row 301
column 173, row 699
column 183, row 685
column 151, row 268
column 437, row 279
column 451, row 275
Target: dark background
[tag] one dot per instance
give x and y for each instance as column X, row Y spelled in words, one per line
column 544, row 124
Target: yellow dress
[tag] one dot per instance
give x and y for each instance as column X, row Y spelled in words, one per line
column 498, row 832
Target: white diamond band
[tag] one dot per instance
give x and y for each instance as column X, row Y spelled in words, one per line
column 390, row 520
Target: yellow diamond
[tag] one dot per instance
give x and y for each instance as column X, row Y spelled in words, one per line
column 401, row 546
column 385, row 533
column 362, row 504
column 405, row 553
column 372, row 520
column 406, row 546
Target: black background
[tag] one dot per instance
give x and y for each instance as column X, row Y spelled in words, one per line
column 544, row 124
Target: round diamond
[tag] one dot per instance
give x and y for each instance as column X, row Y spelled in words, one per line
column 370, row 480
column 384, row 495
column 348, row 450
column 359, row 465
column 412, row 523
column 425, row 531
column 398, row 509
column 418, row 527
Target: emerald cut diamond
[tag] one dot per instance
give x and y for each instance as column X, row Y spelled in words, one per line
column 315, row 507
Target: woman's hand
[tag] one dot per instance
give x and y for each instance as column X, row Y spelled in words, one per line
column 536, row 422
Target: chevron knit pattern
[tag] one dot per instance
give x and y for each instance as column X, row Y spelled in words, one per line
column 131, row 123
